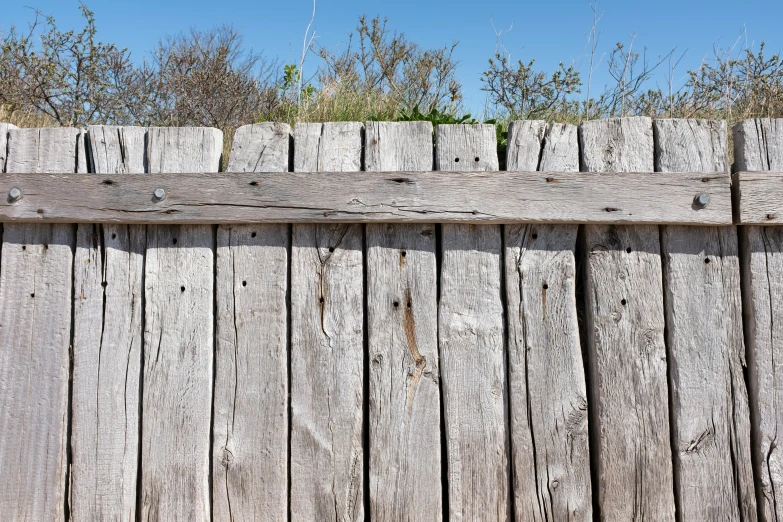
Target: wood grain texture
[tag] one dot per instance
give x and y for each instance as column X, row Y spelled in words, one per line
column 108, row 275
column 4, row 128
column 402, row 323
column 35, row 316
column 525, row 141
column 758, row 146
column 471, row 341
column 327, row 344
column 713, row 477
column 250, row 424
column 547, row 391
column 626, row 350
column 353, row 197
column 760, row 197
column 178, row 342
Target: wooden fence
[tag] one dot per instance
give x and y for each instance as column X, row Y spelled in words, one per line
column 421, row 346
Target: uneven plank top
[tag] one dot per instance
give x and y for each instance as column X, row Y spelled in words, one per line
column 321, row 197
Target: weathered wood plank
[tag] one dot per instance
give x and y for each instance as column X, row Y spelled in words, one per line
column 178, row 342
column 758, row 145
column 547, row 391
column 327, row 343
column 4, row 128
column 471, row 339
column 352, row 197
column 35, row 315
column 760, row 200
column 402, row 323
column 713, row 478
column 108, row 275
column 626, row 350
column 250, row 425
column 525, row 140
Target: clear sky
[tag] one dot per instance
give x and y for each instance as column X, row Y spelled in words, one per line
column 549, row 31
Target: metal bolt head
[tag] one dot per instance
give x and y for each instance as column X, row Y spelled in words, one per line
column 160, row 194
column 701, row 201
column 15, row 194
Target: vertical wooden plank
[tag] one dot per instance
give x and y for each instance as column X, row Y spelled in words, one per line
column 471, row 340
column 108, row 275
column 178, row 342
column 758, row 145
column 250, row 426
column 547, row 391
column 327, row 342
column 405, row 456
column 35, row 316
column 713, row 478
column 4, row 128
column 626, row 350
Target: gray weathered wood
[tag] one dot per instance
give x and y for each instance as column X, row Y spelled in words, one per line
column 758, row 145
column 352, row 197
column 108, row 275
column 760, row 200
column 713, row 477
column 35, row 314
column 547, row 392
column 402, row 323
column 471, row 339
column 4, row 128
column 250, row 425
column 327, row 309
column 178, row 342
column 525, row 140
column 626, row 350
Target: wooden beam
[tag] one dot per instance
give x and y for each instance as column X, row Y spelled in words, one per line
column 322, row 197
column 759, row 197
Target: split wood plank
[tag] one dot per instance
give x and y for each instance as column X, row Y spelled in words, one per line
column 758, row 146
column 355, row 197
column 35, row 315
column 472, row 348
column 107, row 338
column 626, row 350
column 327, row 343
column 402, row 324
column 178, row 342
column 250, row 426
column 547, row 391
column 4, row 128
column 713, row 477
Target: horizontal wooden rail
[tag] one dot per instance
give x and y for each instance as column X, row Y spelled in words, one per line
column 318, row 197
column 760, row 197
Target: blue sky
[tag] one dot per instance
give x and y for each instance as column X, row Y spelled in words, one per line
column 549, row 31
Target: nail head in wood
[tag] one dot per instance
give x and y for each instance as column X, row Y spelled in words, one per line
column 15, row 194
column 160, row 194
column 702, row 200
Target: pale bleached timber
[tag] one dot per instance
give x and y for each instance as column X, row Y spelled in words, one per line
column 389, row 197
column 107, row 338
column 402, row 323
column 547, row 393
column 626, row 351
column 35, row 313
column 178, row 342
column 525, row 140
column 471, row 341
column 713, row 477
column 327, row 343
column 758, row 146
column 250, row 425
column 4, row 128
